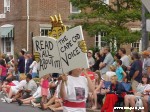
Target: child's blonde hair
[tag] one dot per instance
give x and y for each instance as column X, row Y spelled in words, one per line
column 22, row 76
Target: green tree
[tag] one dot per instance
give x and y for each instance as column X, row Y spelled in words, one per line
column 96, row 16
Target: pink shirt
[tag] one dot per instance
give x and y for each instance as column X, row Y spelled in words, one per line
column 45, row 84
column 4, row 70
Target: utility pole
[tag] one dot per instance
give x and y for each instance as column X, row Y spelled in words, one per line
column 145, row 39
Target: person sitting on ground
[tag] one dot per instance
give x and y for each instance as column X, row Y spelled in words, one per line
column 110, row 73
column 116, row 88
column 146, row 100
column 7, row 85
column 130, row 99
column 36, row 97
column 14, row 90
column 55, row 103
column 28, row 90
column 99, row 92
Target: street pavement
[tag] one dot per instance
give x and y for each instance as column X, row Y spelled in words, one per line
column 13, row 107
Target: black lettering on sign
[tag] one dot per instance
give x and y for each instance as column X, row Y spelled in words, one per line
column 68, row 45
column 48, row 45
column 40, row 45
column 37, row 45
column 70, row 55
column 75, row 38
column 46, row 53
column 63, row 40
column 50, row 61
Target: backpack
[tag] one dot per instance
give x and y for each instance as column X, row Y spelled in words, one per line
column 127, row 86
column 139, row 102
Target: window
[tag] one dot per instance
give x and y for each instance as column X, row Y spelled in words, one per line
column 6, row 6
column 8, row 44
column 106, row 1
column 74, row 9
column 136, row 45
column 44, row 31
column 98, row 42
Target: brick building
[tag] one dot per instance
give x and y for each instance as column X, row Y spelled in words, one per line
column 20, row 18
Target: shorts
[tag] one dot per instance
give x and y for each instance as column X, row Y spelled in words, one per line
column 26, row 95
column 35, row 75
column 38, row 100
column 149, row 100
column 134, row 84
column 14, row 90
column 3, row 78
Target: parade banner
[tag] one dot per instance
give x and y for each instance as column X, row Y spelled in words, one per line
column 61, row 55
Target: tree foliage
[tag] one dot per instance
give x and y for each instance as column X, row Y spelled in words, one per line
column 96, row 16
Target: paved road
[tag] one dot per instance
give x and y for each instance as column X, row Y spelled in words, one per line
column 13, row 107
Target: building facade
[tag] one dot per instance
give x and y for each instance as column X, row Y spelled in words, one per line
column 22, row 19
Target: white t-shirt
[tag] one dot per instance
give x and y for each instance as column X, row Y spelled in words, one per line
column 110, row 74
column 91, row 61
column 77, row 91
column 21, row 85
column 34, row 67
column 15, row 82
column 125, row 60
column 38, row 94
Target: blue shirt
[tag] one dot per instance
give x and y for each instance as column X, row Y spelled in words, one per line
column 119, row 73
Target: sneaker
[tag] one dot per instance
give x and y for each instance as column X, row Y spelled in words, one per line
column 1, row 92
column 3, row 100
column 33, row 104
column 8, row 100
column 19, row 102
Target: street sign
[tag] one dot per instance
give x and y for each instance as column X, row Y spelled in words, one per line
column 146, row 4
column 148, row 25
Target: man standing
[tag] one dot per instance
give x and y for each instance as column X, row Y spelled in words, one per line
column 146, row 62
column 124, row 58
column 21, row 62
column 104, row 66
column 135, row 70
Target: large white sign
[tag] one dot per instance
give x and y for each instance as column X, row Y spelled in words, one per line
column 62, row 55
column 146, row 4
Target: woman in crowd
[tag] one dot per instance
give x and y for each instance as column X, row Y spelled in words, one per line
column 115, row 90
column 116, row 57
column 3, row 72
column 98, row 60
column 74, row 91
column 146, row 99
column 99, row 91
column 130, row 99
column 34, row 69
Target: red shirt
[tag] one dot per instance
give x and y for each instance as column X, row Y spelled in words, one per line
column 91, row 75
column 10, row 84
